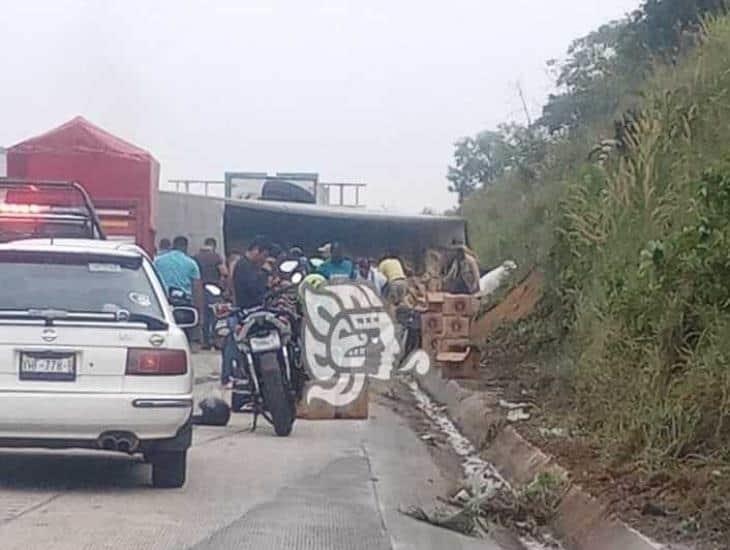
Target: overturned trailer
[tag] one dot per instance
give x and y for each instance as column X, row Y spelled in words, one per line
column 362, row 232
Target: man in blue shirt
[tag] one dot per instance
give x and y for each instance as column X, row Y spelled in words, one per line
column 178, row 270
column 337, row 267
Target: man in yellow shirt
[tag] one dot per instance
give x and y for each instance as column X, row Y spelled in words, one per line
column 396, row 286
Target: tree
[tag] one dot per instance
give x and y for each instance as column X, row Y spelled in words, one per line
column 607, row 64
column 478, row 161
column 527, row 148
column 600, row 68
column 663, row 22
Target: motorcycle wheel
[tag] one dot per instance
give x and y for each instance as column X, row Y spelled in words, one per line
column 275, row 394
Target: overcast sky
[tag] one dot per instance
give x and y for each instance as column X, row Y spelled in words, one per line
column 374, row 91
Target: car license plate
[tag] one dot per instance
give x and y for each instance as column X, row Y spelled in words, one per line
column 265, row 343
column 48, row 366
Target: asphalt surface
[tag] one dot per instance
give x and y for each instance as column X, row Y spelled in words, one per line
column 330, row 485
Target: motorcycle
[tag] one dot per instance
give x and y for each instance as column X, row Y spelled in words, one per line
column 221, row 310
column 293, row 270
column 263, row 358
column 219, row 307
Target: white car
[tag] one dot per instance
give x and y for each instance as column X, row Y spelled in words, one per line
column 92, row 355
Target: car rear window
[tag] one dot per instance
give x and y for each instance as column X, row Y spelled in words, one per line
column 76, row 283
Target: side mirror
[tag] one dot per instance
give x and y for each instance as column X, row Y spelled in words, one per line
column 185, row 317
column 213, row 290
column 287, row 266
column 316, row 262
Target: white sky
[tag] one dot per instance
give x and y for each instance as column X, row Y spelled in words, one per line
column 374, row 91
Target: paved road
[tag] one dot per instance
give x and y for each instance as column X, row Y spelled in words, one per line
column 332, row 484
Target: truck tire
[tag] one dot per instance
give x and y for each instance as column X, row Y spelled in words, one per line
column 277, row 398
column 168, row 469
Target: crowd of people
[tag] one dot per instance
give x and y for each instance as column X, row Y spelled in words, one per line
column 247, row 276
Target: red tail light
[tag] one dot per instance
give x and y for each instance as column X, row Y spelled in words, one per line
column 222, row 309
column 155, row 362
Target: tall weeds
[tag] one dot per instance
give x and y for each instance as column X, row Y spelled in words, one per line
column 638, row 253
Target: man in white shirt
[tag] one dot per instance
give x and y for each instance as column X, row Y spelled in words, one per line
column 366, row 272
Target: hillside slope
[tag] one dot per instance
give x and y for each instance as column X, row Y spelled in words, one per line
column 636, row 250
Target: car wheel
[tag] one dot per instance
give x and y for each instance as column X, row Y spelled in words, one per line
column 168, row 469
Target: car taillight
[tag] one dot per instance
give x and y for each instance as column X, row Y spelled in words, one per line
column 153, row 362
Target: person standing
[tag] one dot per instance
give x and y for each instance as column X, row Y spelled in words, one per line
column 366, row 272
column 178, row 270
column 396, row 285
column 337, row 267
column 213, row 270
column 462, row 275
column 249, row 278
column 163, row 247
column 325, row 251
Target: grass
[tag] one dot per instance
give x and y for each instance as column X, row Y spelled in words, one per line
column 637, row 254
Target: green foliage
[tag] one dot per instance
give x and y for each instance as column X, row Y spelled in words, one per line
column 478, row 161
column 642, row 261
column 636, row 248
column 604, row 68
column 598, row 75
column 482, row 160
column 664, row 23
column 541, row 497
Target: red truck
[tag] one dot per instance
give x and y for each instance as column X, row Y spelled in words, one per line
column 121, row 178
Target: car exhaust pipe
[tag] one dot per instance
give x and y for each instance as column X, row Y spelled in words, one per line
column 124, row 442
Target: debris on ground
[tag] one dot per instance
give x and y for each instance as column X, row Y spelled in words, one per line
column 429, row 438
column 487, row 501
column 515, row 411
column 526, row 512
column 391, row 394
column 517, row 415
column 510, row 406
column 465, row 520
column 462, row 496
column 552, row 432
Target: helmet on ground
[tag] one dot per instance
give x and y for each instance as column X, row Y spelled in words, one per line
column 214, row 412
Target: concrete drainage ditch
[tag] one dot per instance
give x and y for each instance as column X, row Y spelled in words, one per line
column 482, row 480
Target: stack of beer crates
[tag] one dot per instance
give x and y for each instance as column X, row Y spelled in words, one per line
column 445, row 333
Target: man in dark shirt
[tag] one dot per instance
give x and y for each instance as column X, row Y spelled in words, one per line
column 249, row 279
column 213, row 270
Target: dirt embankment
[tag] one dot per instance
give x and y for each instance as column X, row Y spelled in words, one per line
column 514, row 370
